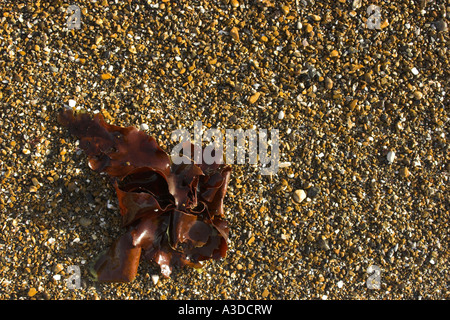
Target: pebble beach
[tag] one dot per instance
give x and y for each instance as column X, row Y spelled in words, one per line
column 359, row 207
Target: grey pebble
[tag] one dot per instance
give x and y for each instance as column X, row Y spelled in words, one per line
column 85, row 222
column 313, row 192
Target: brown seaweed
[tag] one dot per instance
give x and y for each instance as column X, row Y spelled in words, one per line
column 172, row 214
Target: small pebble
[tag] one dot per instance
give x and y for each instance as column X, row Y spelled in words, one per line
column 404, row 172
column 254, row 97
column 441, row 25
column 299, row 195
column 334, row 54
column 72, row 103
column 418, row 95
column 132, row 49
column 98, row 39
column 328, row 83
column 35, row 181
column 390, row 157
column 323, row 244
column 32, row 292
column 235, row 33
column 313, row 192
column 281, row 115
column 106, row 76
column 316, row 17
column 144, row 126
column 85, row 222
column 58, row 268
column 155, row 279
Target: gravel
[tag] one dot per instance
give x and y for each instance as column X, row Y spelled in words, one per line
column 350, row 95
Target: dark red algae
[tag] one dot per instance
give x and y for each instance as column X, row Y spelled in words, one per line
column 171, row 214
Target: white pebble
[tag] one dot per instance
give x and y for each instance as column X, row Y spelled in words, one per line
column 57, row 277
column 110, row 205
column 284, row 164
column 299, row 195
column 72, row 103
column 415, row 71
column 144, row 126
column 76, row 240
column 340, row 284
column 281, row 115
column 155, row 279
column 391, row 156
column 356, row 4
